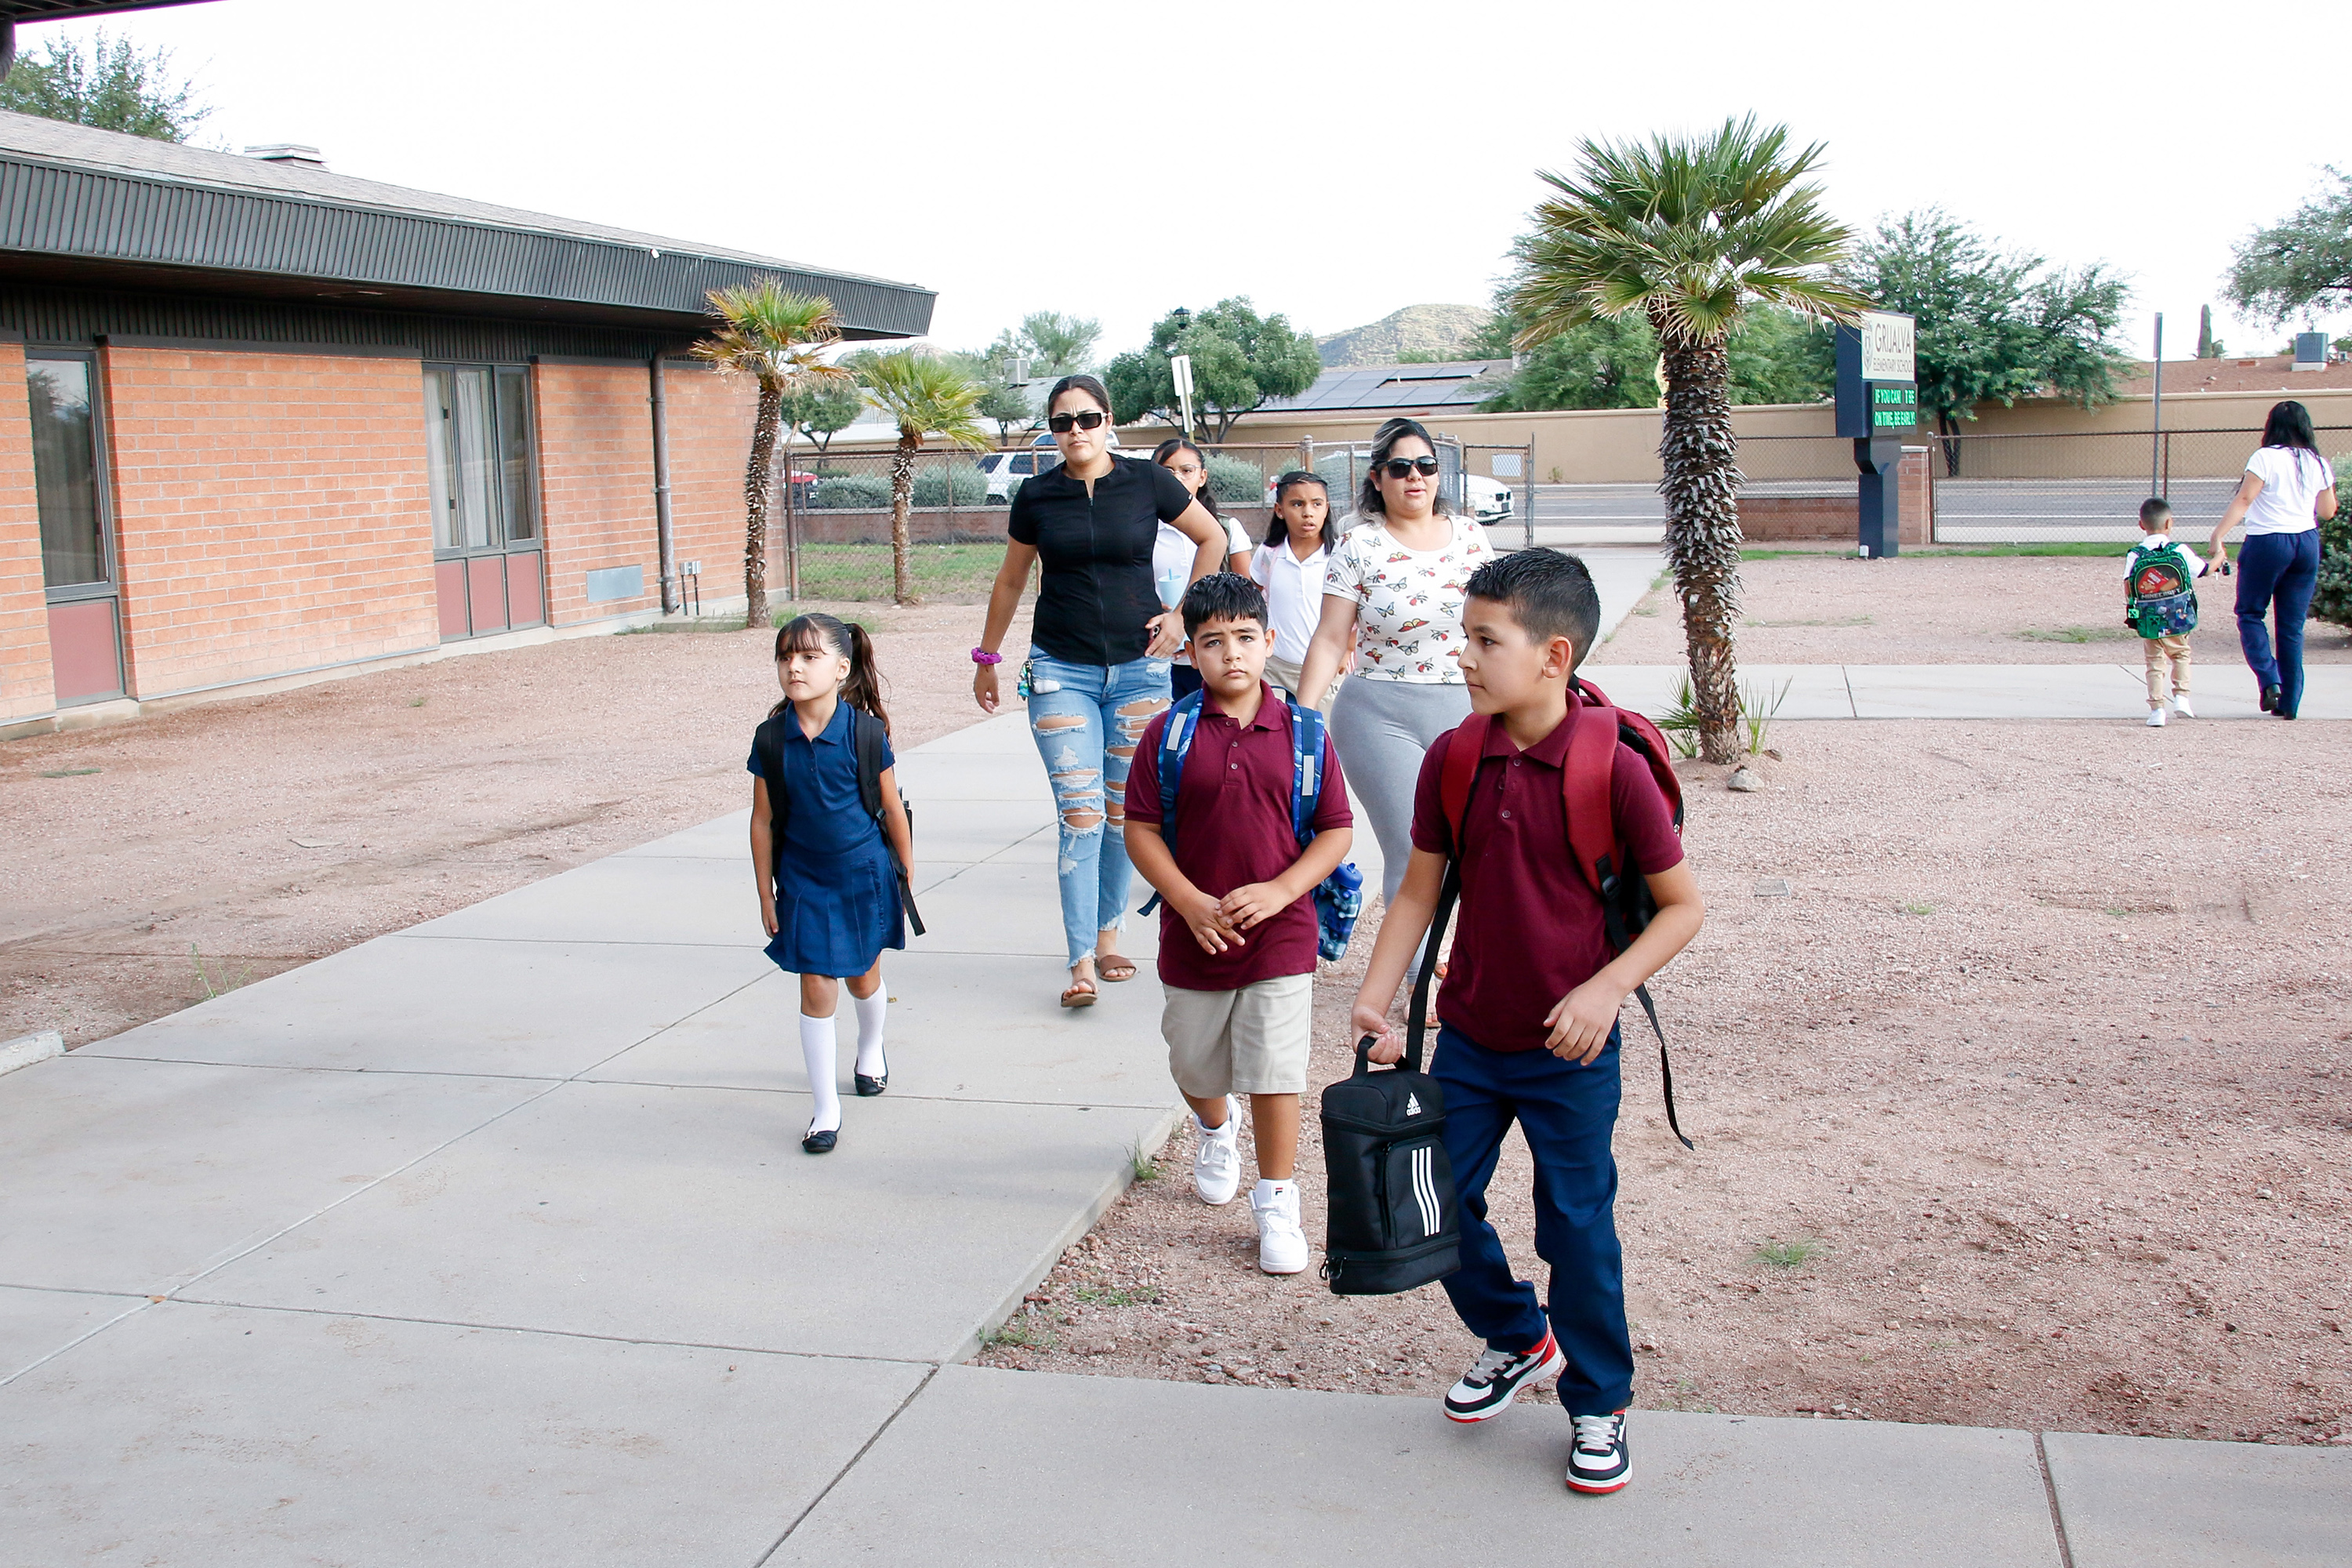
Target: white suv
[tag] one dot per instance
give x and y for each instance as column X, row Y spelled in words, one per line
column 1005, row 470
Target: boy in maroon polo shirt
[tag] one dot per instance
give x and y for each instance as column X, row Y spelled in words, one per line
column 1528, row 1011
column 1237, row 936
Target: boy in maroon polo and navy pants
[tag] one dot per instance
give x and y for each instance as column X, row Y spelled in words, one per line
column 1528, row 1010
column 1237, row 940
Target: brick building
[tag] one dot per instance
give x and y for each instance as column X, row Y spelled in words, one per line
column 260, row 421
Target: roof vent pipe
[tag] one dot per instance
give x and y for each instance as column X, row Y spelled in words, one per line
column 287, row 153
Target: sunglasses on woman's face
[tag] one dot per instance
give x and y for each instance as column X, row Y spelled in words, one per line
column 1398, row 468
column 1061, row 424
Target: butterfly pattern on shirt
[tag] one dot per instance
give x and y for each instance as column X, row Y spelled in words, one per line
column 1409, row 603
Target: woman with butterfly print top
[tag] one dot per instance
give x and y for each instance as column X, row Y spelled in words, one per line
column 1392, row 598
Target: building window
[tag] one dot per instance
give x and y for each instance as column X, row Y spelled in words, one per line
column 74, row 551
column 477, row 449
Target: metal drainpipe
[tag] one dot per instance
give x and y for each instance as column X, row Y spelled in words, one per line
column 661, row 491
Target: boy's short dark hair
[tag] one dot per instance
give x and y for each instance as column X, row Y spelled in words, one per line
column 1549, row 592
column 1223, row 597
column 2154, row 509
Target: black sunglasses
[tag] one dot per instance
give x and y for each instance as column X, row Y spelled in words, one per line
column 1060, row 423
column 1398, row 468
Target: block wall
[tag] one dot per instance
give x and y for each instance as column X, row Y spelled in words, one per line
column 24, row 689
column 270, row 511
column 710, row 418
column 596, row 484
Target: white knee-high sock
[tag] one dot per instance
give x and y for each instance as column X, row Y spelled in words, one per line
column 817, row 1050
column 870, row 1009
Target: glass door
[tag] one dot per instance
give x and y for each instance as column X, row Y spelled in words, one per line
column 486, row 544
column 77, row 529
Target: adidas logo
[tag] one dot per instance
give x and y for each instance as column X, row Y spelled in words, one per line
column 1412, row 1105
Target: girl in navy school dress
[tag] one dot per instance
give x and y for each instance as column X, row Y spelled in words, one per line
column 832, row 903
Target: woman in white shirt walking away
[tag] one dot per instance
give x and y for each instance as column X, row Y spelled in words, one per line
column 1289, row 566
column 1392, row 598
column 2289, row 489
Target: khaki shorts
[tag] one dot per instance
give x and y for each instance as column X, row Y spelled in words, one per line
column 1249, row 1041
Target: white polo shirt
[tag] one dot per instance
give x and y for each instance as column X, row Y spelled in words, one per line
column 1294, row 595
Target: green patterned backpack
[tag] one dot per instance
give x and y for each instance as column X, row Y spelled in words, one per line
column 2159, row 592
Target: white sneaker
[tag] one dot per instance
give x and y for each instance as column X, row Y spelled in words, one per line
column 2180, row 705
column 2155, row 718
column 1281, row 1242
column 1217, row 1162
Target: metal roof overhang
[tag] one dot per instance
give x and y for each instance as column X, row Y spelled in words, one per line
column 99, row 229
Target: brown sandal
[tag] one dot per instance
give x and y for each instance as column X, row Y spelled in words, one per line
column 1115, row 967
column 1080, row 994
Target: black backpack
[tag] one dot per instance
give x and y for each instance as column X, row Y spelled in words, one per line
column 866, row 736
column 1394, row 1223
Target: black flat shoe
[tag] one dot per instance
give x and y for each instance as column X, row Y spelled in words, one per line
column 822, row 1142
column 871, row 1086
column 2271, row 695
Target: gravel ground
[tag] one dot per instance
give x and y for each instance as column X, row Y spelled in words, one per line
column 146, row 861
column 1827, row 608
column 2035, row 1084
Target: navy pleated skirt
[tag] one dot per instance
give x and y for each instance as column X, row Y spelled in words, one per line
column 836, row 913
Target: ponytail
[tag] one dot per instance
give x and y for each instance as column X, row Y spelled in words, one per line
column 817, row 633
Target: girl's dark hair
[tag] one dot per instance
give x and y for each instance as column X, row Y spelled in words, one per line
column 1278, row 531
column 1206, row 495
column 1384, row 441
column 825, row 634
column 2289, row 425
column 1085, row 383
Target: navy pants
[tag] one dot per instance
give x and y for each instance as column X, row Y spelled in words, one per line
column 2277, row 574
column 1567, row 1113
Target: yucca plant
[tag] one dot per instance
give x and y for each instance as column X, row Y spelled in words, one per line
column 925, row 396
column 774, row 336
column 1689, row 232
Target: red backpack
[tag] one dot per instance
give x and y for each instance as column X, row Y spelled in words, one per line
column 1626, row 902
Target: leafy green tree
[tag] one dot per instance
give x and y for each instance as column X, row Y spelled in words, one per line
column 2332, row 600
column 774, row 336
column 926, row 395
column 1609, row 361
column 824, row 410
column 1780, row 356
column 1005, row 406
column 1239, row 360
column 2302, row 264
column 114, row 86
column 1059, row 344
column 1990, row 326
column 1689, row 234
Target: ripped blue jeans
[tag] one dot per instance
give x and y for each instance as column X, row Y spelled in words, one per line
column 1085, row 719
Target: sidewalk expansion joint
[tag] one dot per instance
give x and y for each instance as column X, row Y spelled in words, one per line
column 863, row 1448
column 2057, row 1515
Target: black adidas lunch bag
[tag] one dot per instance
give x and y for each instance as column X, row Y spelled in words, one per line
column 1394, row 1223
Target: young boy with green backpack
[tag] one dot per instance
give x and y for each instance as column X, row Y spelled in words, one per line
column 1560, row 835
column 2160, row 604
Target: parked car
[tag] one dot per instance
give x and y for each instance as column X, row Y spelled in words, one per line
column 1489, row 500
column 1005, row 470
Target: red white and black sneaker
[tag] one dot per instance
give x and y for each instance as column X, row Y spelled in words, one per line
column 1496, row 1378
column 1600, row 1462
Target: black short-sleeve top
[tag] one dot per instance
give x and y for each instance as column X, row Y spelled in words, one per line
column 1095, row 591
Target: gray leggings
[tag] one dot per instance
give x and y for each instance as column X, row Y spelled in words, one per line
column 1382, row 729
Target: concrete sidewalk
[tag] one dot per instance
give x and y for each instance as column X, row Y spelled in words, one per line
column 491, row 1242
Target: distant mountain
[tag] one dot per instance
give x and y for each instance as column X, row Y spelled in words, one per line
column 1444, row 330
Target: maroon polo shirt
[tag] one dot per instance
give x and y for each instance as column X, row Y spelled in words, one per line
column 1233, row 828
column 1528, row 930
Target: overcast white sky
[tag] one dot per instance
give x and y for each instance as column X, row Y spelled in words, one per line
column 1333, row 161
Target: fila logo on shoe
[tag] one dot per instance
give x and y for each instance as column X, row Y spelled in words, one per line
column 1411, row 1104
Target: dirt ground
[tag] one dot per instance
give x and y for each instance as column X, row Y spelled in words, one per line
column 2035, row 1085
column 147, row 861
column 1926, row 608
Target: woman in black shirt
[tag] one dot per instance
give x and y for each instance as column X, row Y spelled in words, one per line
column 1099, row 646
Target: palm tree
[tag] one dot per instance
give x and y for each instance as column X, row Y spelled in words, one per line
column 926, row 396
column 1689, row 231
column 774, row 336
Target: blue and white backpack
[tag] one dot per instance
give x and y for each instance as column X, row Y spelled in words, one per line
column 1339, row 897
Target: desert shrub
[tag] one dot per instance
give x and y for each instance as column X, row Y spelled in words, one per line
column 932, row 486
column 861, row 493
column 1237, row 483
column 2333, row 599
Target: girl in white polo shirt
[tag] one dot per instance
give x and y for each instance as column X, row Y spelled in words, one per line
column 1289, row 566
column 2289, row 489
